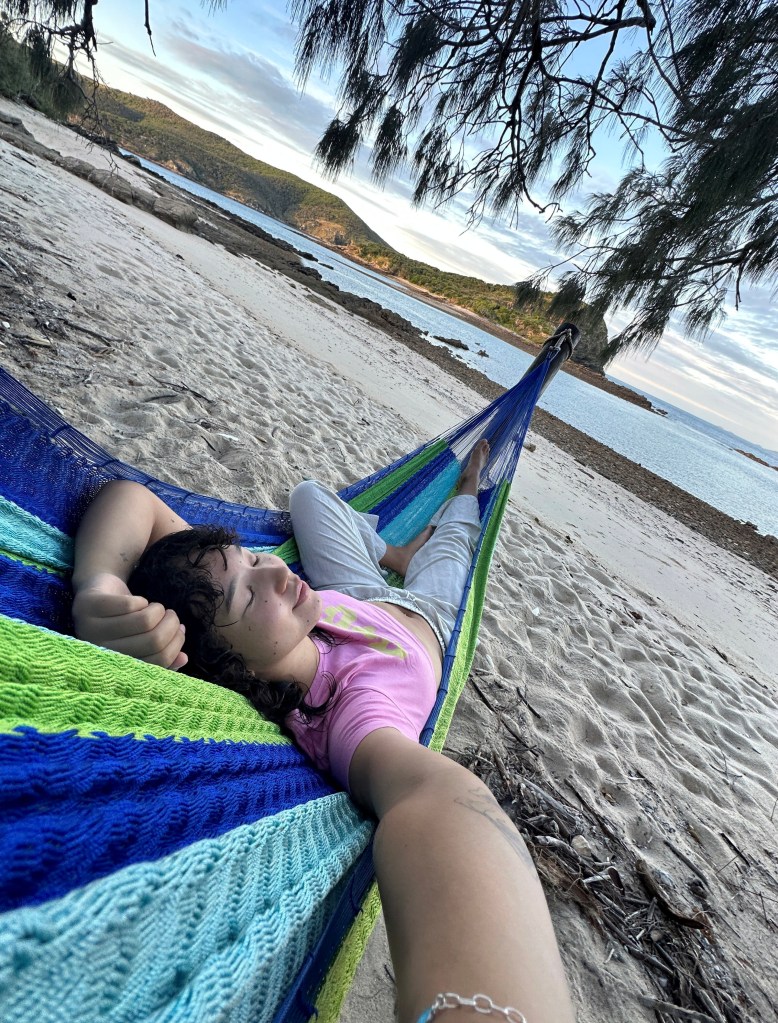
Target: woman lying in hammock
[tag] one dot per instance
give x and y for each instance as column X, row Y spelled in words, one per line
column 351, row 668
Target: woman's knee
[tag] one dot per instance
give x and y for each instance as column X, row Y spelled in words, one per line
column 306, row 497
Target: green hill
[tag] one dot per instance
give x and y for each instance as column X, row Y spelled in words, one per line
column 153, row 131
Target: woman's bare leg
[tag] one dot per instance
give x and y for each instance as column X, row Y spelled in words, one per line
column 471, row 474
column 397, row 559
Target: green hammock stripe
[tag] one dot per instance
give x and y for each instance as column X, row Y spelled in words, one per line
column 468, row 639
column 387, row 485
column 56, row 683
column 332, row 995
column 31, row 563
column 288, row 551
column 329, row 1001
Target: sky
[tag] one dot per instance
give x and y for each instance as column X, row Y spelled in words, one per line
column 231, row 72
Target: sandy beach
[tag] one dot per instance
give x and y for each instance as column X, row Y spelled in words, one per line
column 624, row 701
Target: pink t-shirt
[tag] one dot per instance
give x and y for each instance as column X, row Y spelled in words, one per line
column 383, row 678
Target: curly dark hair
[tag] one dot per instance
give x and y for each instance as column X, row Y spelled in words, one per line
column 171, row 573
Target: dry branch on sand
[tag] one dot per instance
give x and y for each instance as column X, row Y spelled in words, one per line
column 640, row 911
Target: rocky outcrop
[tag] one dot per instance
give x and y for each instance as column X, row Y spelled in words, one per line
column 166, row 205
column 453, row 342
column 173, row 211
column 13, row 131
column 591, row 349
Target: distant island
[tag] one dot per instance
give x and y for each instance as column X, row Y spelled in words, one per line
column 756, row 458
column 156, row 133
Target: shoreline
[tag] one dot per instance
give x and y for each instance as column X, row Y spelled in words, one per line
column 576, row 369
column 760, row 549
column 185, row 212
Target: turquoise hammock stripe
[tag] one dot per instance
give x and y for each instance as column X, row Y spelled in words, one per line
column 192, row 936
column 26, row 535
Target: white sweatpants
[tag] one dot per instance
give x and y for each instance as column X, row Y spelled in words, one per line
column 341, row 550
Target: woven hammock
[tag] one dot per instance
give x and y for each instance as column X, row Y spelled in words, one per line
column 165, row 853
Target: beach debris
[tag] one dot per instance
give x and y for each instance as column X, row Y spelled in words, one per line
column 639, row 909
column 664, row 888
column 81, row 329
column 34, row 339
column 688, row 861
column 7, row 265
column 484, row 698
column 741, row 855
column 182, row 389
column 165, row 399
column 675, row 1010
column 528, row 705
column 609, row 874
column 581, row 845
column 529, row 446
column 511, row 726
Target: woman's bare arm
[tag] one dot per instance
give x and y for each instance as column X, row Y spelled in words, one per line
column 463, row 905
column 123, row 520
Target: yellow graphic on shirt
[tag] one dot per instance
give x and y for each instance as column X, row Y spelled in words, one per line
column 346, row 618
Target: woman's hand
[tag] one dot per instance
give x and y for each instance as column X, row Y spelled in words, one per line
column 120, row 524
column 107, row 614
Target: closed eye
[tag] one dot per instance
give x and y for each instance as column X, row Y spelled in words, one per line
column 250, row 601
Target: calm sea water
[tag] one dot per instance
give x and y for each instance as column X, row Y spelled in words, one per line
column 690, row 452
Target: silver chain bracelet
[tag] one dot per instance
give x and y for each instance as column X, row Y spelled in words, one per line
column 481, row 1003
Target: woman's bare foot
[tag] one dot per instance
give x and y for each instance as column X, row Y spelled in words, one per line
column 471, row 474
column 397, row 559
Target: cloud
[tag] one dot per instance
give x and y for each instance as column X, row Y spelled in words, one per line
column 725, row 388
column 267, row 98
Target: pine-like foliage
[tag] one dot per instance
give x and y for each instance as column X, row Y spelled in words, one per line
column 509, row 101
column 42, row 23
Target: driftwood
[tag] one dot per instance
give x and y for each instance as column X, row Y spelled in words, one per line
column 640, row 911
column 7, row 265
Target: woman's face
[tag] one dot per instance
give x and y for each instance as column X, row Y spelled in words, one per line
column 267, row 610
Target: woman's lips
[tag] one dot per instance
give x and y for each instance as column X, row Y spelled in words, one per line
column 303, row 593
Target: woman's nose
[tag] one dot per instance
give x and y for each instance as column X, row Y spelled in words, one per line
column 277, row 573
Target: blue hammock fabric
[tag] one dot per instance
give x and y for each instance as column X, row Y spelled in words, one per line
column 164, row 853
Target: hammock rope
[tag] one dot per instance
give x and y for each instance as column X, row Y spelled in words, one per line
column 165, row 852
